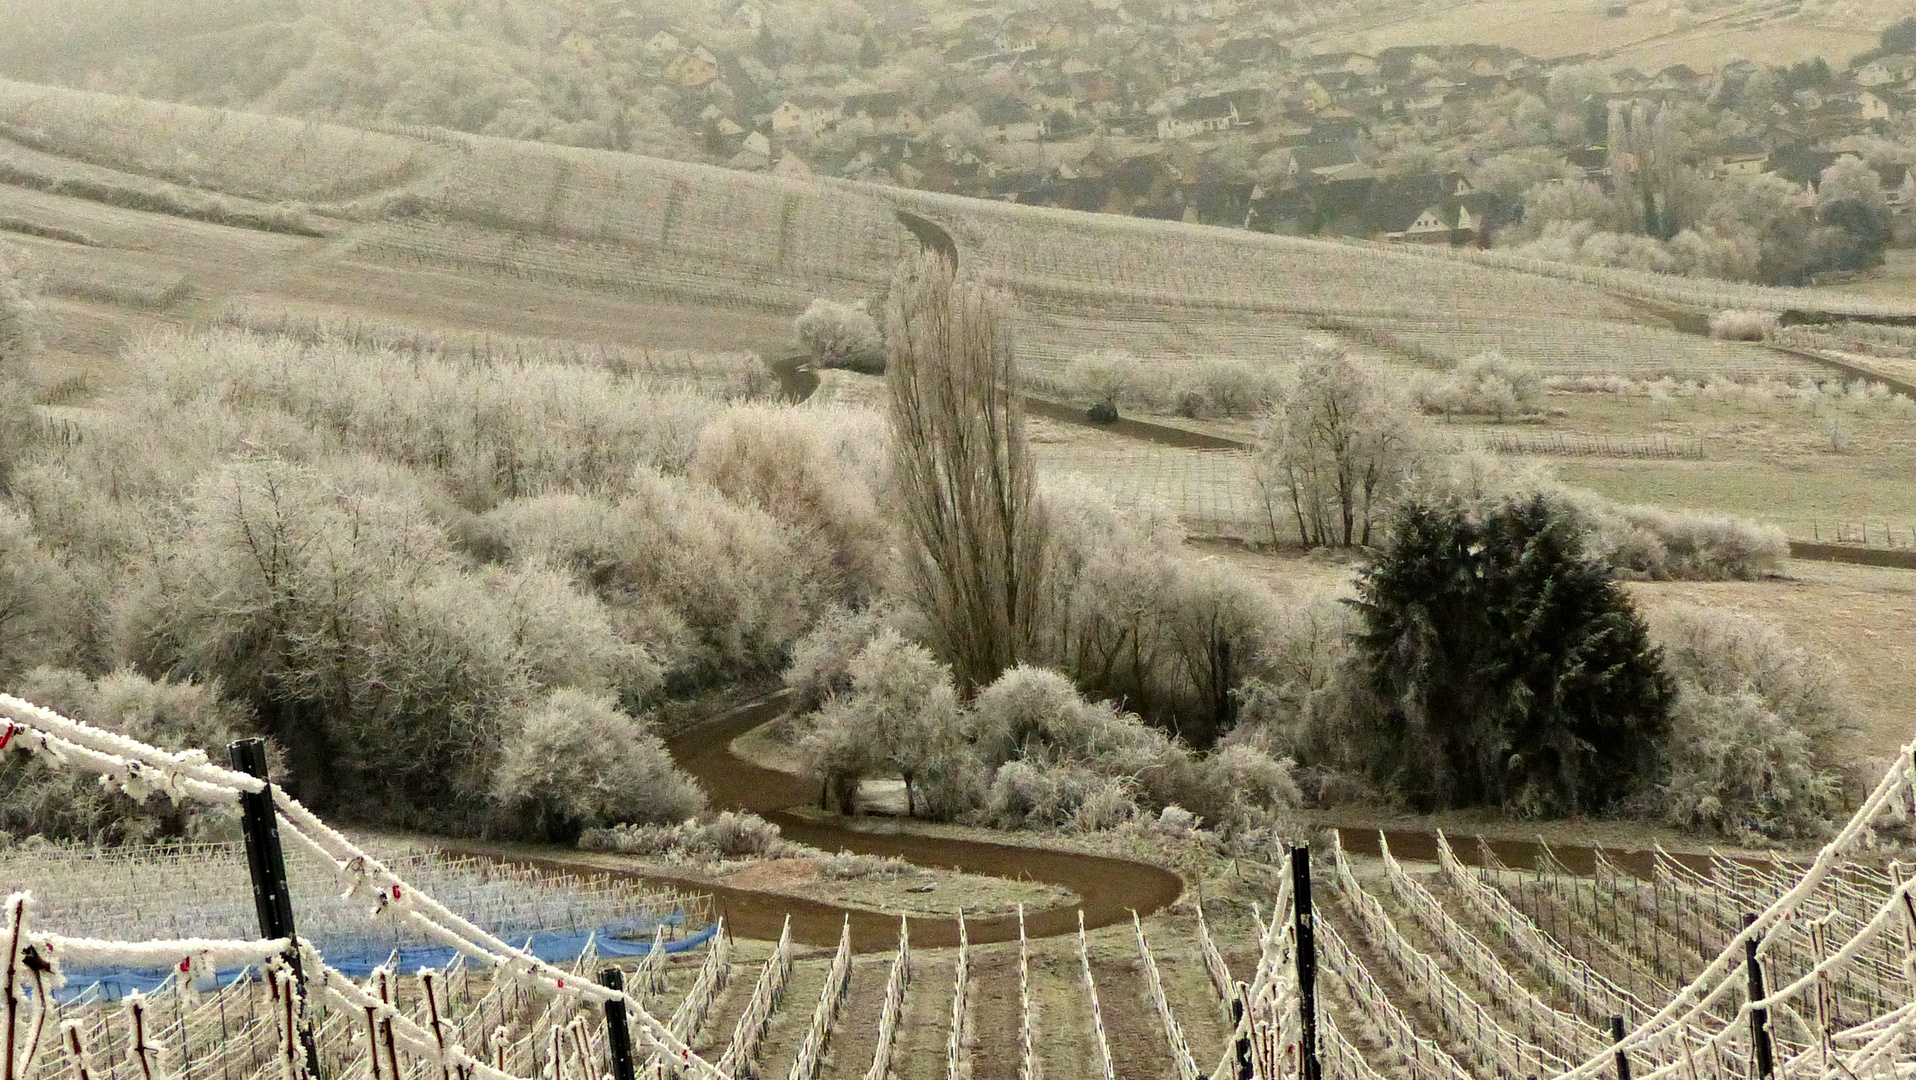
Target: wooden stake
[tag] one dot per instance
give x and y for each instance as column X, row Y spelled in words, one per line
column 75, row 1051
column 16, row 915
column 429, row 985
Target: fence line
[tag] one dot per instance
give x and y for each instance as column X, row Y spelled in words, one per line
column 750, row 1029
column 955, row 1056
column 1573, row 1039
column 1106, row 1069
column 825, row 1015
column 690, row 1016
column 1575, row 444
column 1029, row 1067
column 1595, row 995
column 1214, row 965
column 1862, row 534
column 1491, row 1046
column 896, row 984
column 1421, row 1057
column 1181, row 1059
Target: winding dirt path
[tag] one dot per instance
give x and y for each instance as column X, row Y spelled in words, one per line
column 1109, row 889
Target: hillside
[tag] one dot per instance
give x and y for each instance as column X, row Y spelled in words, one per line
column 119, row 201
column 1647, row 36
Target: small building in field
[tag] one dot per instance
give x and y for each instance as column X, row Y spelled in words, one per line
column 1201, row 117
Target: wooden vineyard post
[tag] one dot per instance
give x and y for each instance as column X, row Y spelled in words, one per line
column 272, row 896
column 1306, row 963
column 1759, row 1018
column 1240, row 1007
column 618, row 1037
column 1616, row 1036
column 16, row 941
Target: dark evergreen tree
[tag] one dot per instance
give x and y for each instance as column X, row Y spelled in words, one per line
column 1508, row 668
column 1898, row 37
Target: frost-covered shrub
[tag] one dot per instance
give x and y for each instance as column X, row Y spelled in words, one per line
column 19, row 318
column 391, row 672
column 1045, row 795
column 566, row 638
column 1241, row 786
column 1176, row 819
column 851, row 866
column 899, row 717
column 1109, row 376
column 1059, row 760
column 1680, row 545
column 818, row 471
column 577, row 762
column 1739, row 769
column 1035, row 714
column 1220, row 388
column 1751, row 750
column 488, row 430
column 822, row 659
column 715, row 588
column 61, row 803
column 39, row 598
column 1291, row 704
column 1645, row 541
column 361, row 644
column 1225, row 390
column 1735, row 325
column 842, row 336
column 1106, row 806
column 1487, row 384
column 725, row 835
column 1726, row 652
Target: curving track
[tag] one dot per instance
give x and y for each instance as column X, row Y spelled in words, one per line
column 1109, row 889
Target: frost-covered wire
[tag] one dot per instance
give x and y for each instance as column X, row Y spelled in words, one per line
column 137, row 768
column 141, row 770
column 1718, row 979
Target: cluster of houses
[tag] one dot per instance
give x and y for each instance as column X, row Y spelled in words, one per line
column 1095, row 106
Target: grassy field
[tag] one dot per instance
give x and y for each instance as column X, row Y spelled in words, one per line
column 1648, row 37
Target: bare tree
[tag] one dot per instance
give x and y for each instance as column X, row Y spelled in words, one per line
column 19, row 336
column 19, row 343
column 1336, row 454
column 975, row 527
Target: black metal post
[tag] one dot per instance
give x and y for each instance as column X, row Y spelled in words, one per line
column 266, row 861
column 1306, row 962
column 618, row 1038
column 1238, row 1006
column 1616, row 1036
column 1759, row 1018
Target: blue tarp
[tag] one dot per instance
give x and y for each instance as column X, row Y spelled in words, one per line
column 554, row 948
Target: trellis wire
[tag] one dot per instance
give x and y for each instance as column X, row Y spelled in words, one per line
column 955, row 1046
column 1106, row 1069
column 1572, row 1039
column 749, row 1032
column 1489, row 1043
column 1028, row 1065
column 896, row 983
column 825, row 1014
column 1595, row 995
column 1181, row 1059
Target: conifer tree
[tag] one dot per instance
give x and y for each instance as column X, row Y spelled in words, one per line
column 1509, row 668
